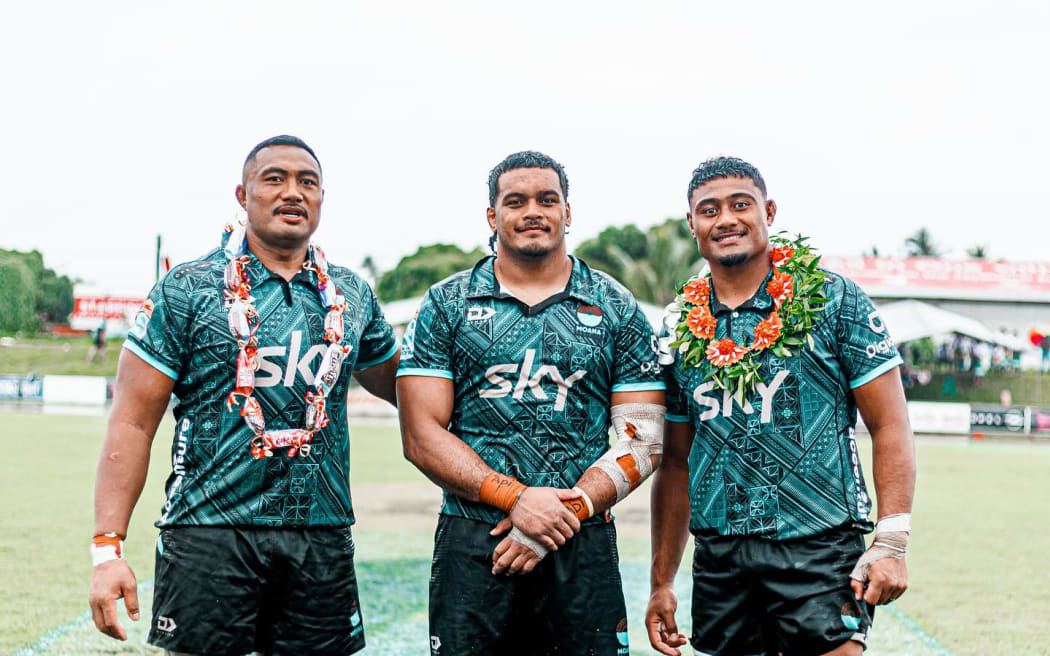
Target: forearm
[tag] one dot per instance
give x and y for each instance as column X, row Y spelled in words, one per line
column 670, row 521
column 120, row 476
column 893, row 467
column 446, row 460
column 379, row 380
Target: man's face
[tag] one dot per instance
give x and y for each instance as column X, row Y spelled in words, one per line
column 729, row 217
column 281, row 192
column 531, row 215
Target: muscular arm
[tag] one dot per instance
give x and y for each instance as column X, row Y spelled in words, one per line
column 139, row 401
column 425, row 412
column 670, row 531
column 379, row 380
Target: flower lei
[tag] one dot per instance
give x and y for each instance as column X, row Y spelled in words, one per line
column 244, row 323
column 797, row 289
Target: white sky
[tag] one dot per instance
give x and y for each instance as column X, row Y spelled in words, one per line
column 867, row 120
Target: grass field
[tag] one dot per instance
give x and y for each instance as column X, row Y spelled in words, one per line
column 978, row 574
column 57, row 355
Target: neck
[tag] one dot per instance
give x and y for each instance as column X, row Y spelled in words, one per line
column 736, row 284
column 533, row 279
column 284, row 261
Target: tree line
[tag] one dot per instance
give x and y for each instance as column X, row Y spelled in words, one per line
column 31, row 293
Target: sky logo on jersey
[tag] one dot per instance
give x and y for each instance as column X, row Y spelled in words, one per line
column 712, row 405
column 271, row 375
column 589, row 315
column 528, row 380
column 477, row 313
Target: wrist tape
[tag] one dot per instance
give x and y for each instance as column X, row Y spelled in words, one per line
column 580, row 506
column 891, row 541
column 640, row 432
column 535, row 546
column 106, row 547
column 501, row 491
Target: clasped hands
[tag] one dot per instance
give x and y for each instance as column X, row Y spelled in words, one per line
column 540, row 516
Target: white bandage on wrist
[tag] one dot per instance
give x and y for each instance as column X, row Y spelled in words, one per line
column 586, row 500
column 106, row 547
column 640, row 428
column 535, row 546
column 891, row 541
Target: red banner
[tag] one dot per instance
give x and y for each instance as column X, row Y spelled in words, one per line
column 105, row 307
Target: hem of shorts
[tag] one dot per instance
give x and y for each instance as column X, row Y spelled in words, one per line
column 876, row 372
column 640, row 387
column 426, row 373
column 358, row 366
column 151, row 360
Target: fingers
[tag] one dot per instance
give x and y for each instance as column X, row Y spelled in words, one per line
column 888, row 579
column 131, row 601
column 664, row 639
column 500, row 564
column 858, row 589
column 567, row 494
column 502, row 527
column 519, row 564
column 110, row 624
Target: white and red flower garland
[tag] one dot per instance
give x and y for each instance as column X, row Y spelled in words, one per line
column 796, row 287
column 244, row 323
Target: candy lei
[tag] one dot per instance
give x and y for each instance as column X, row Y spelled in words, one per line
column 797, row 290
column 244, row 323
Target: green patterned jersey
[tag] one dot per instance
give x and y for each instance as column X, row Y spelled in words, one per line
column 182, row 331
column 783, row 464
column 532, row 385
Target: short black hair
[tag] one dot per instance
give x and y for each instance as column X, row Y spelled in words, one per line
column 281, row 140
column 526, row 159
column 724, row 167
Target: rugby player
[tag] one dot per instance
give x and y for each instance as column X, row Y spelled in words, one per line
column 769, row 483
column 509, row 379
column 255, row 551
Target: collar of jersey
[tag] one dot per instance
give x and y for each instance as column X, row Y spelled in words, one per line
column 760, row 301
column 259, row 273
column 483, row 281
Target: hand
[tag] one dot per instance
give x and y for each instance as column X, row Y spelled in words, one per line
column 660, row 622
column 887, row 581
column 540, row 514
column 511, row 556
column 111, row 581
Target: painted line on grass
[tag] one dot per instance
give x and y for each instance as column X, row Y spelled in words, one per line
column 45, row 641
column 914, row 627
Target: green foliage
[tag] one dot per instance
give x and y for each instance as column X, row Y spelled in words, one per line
column 31, row 293
column 978, row 252
column 921, row 244
column 415, row 273
column 651, row 264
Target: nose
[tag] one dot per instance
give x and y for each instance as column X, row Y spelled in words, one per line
column 533, row 210
column 292, row 191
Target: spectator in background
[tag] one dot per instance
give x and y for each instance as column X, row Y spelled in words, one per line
column 98, row 343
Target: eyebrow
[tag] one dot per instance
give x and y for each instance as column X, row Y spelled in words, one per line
column 518, row 194
column 739, row 194
column 279, row 170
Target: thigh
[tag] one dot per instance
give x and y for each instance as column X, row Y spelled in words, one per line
column 806, row 588
column 471, row 610
column 314, row 600
column 206, row 590
column 586, row 614
column 726, row 618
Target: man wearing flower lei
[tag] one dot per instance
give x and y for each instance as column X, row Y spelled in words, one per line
column 257, row 340
column 772, row 358
column 510, row 377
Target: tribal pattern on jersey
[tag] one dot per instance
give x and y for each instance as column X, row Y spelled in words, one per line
column 784, row 464
column 532, row 385
column 182, row 332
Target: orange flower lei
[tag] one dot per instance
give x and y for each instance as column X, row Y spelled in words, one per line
column 795, row 274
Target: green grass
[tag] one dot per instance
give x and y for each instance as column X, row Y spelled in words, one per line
column 55, row 355
column 977, row 558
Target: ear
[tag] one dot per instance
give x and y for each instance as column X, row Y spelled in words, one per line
column 771, row 211
column 242, row 198
column 568, row 215
column 490, row 215
column 689, row 222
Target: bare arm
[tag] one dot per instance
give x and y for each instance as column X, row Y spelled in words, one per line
column 670, row 532
column 379, row 380
column 139, row 402
column 425, row 412
column 885, row 411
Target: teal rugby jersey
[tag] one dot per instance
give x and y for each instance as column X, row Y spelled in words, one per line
column 532, row 385
column 784, row 464
column 214, row 480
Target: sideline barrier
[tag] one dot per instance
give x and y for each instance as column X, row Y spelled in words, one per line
column 21, row 388
column 75, row 390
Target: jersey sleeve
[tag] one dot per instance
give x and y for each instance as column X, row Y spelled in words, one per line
column 426, row 348
column 378, row 343
column 157, row 335
column 865, row 348
column 635, row 351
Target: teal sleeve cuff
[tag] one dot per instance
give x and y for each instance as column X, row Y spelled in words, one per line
column 678, row 419
column 895, row 361
column 380, row 360
column 426, row 373
column 640, row 387
column 151, row 360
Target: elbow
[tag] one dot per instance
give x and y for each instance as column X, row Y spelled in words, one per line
column 411, row 450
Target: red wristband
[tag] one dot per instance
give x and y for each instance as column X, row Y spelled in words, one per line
column 501, row 491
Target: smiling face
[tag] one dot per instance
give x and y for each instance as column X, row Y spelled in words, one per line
column 729, row 218
column 530, row 214
column 281, row 192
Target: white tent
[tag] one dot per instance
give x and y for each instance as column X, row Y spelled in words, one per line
column 908, row 320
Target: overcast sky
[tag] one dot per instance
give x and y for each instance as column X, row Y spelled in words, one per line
column 125, row 120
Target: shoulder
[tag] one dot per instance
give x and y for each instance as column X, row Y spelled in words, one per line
column 608, row 292
column 187, row 275
column 349, row 281
column 841, row 292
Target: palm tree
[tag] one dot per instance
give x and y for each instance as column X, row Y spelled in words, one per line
column 978, row 252
column 921, row 244
column 671, row 257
